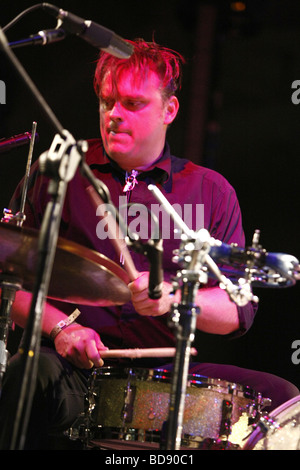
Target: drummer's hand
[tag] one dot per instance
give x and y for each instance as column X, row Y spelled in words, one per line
column 81, row 346
column 141, row 301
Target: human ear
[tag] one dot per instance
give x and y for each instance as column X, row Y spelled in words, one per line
column 172, row 107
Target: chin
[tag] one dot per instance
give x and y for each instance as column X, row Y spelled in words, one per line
column 122, row 159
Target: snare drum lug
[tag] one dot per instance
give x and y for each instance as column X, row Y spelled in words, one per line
column 263, row 402
column 129, row 396
column 266, row 402
column 225, row 426
column 255, row 409
column 80, row 430
column 253, row 413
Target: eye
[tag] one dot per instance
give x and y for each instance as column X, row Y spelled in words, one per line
column 134, row 104
column 106, row 103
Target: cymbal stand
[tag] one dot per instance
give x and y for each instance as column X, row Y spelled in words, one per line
column 20, row 216
column 196, row 262
column 60, row 164
column 8, row 284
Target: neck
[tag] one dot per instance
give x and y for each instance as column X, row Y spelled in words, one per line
column 143, row 167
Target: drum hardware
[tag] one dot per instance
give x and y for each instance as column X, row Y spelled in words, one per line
column 225, row 427
column 6, row 145
column 197, row 254
column 129, row 396
column 193, row 255
column 280, row 430
column 266, row 424
column 9, row 283
column 19, row 217
column 256, row 410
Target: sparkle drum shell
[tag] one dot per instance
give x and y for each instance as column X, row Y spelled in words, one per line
column 133, row 404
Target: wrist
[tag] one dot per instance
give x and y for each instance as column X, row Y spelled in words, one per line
column 61, row 325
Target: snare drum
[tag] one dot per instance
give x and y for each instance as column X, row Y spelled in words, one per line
column 133, row 404
column 280, row 430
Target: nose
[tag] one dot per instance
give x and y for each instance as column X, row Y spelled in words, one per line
column 116, row 112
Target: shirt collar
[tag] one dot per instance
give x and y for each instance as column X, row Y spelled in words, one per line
column 159, row 171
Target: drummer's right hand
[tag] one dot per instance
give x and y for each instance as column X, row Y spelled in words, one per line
column 81, row 346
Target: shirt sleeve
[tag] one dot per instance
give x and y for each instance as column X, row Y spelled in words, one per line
column 226, row 225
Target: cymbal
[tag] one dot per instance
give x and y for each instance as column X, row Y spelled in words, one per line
column 79, row 275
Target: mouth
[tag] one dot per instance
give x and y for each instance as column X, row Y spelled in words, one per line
column 115, row 130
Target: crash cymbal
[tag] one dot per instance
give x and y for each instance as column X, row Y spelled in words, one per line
column 79, row 275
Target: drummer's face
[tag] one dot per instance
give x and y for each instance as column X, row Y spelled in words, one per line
column 134, row 119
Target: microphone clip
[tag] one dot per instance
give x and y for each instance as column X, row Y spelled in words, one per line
column 144, row 247
column 60, row 162
column 153, row 250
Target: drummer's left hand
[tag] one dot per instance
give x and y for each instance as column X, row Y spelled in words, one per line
column 141, row 301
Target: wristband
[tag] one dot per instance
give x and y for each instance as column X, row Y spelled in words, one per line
column 63, row 324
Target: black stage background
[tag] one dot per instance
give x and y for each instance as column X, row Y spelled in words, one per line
column 236, row 114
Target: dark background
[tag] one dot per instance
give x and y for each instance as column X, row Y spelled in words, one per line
column 236, row 116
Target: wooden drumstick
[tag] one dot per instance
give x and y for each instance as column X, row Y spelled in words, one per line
column 113, row 231
column 137, row 353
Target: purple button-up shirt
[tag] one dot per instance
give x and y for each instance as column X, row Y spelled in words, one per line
column 202, row 197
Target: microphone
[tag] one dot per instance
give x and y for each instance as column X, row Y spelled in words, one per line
column 15, row 141
column 93, row 33
column 155, row 251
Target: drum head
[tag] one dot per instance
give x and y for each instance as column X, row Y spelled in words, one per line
column 280, row 430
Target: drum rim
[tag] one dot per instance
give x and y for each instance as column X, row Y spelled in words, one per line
column 284, row 406
column 257, row 434
column 188, row 441
column 161, row 374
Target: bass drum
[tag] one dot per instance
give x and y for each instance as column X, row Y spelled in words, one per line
column 280, row 430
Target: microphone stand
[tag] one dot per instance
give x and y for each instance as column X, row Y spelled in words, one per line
column 62, row 169
column 194, row 256
column 8, row 283
column 60, row 163
column 185, row 317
